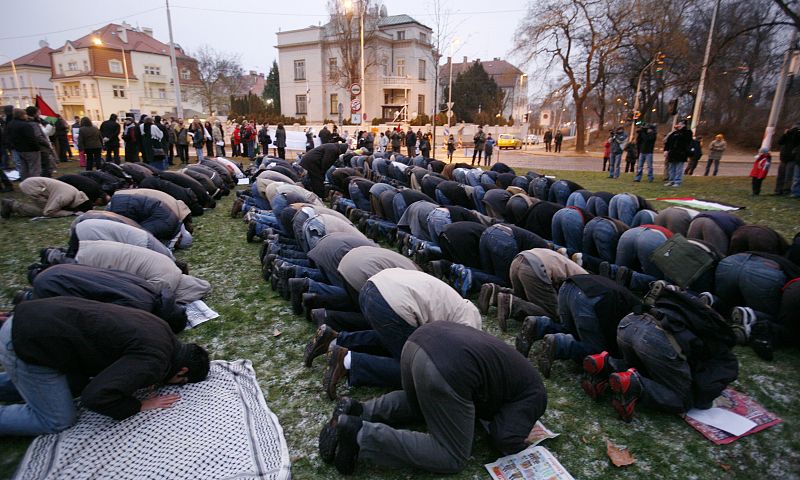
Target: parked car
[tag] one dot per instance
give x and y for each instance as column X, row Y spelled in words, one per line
column 532, row 139
column 506, row 140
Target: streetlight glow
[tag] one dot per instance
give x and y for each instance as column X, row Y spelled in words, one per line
column 97, row 41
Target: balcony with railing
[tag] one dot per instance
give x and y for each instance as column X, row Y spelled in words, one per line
column 400, row 81
column 155, row 78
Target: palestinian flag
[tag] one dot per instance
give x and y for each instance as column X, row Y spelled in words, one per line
column 48, row 114
column 700, row 204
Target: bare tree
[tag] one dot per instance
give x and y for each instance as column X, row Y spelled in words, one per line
column 579, row 37
column 221, row 75
column 342, row 38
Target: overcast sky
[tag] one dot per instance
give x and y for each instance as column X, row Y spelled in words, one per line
column 243, row 27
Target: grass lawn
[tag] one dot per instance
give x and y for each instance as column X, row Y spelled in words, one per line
column 255, row 323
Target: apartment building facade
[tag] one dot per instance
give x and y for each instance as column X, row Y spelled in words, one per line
column 32, row 78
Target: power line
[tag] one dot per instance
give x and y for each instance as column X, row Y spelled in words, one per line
column 325, row 15
column 41, row 34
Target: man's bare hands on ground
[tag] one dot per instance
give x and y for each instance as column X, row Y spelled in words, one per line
column 161, row 401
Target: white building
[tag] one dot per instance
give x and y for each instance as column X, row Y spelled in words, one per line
column 399, row 71
column 93, row 78
column 511, row 80
column 33, row 78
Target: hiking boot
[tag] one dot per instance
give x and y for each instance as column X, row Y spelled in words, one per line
column 347, row 429
column 348, row 406
column 604, row 270
column 623, row 276
column 21, row 296
column 297, row 287
column 439, row 269
column 318, row 345
column 402, row 239
column 742, row 321
column 236, row 208
column 596, row 370
column 284, row 273
column 707, row 298
column 504, row 301
column 319, row 316
column 328, row 439
column 462, row 279
column 182, row 266
column 627, row 389
column 310, row 301
column 269, row 261
column 656, row 289
column 6, row 207
column 761, row 339
column 251, row 232
column 486, row 297
column 533, row 328
column 33, row 270
column 547, row 355
column 335, row 370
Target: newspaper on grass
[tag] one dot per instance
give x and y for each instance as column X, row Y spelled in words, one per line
column 198, row 312
column 243, row 181
column 532, row 463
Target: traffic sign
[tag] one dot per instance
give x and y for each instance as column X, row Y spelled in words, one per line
column 449, row 113
column 355, row 89
column 355, row 105
column 355, row 119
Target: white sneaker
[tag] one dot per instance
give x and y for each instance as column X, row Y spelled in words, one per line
column 743, row 318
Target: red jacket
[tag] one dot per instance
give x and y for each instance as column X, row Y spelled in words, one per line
column 607, row 149
column 236, row 139
column 761, row 166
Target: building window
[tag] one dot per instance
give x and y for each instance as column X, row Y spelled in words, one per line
column 94, row 92
column 85, row 66
column 186, row 74
column 115, row 66
column 299, row 69
column 97, row 115
column 400, row 67
column 333, row 68
column 300, row 104
column 72, row 66
column 334, row 104
column 422, row 69
column 3, row 82
column 401, row 35
column 162, row 93
column 60, row 68
column 420, row 104
column 423, row 37
column 152, row 70
column 118, row 90
column 85, row 92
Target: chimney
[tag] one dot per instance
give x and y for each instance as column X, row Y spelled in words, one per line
column 496, row 59
column 147, row 31
column 252, row 73
column 43, row 43
column 465, row 59
column 477, row 60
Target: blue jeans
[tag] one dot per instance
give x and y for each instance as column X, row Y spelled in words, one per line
column 644, row 157
column 796, row 180
column 460, row 175
column 623, row 207
column 613, row 165
column 199, row 152
column 442, row 198
column 278, row 203
column 666, row 377
column 576, row 312
column 437, row 220
column 497, row 250
column 361, row 201
column 600, row 239
column 575, row 199
column 313, row 231
column 333, row 297
column 745, row 279
column 567, row 228
column 675, row 171
column 559, row 193
column 477, row 197
column 398, row 206
column 635, row 247
column 597, row 206
column 643, row 217
column 48, row 406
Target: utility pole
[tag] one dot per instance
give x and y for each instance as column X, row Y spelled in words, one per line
column 780, row 91
column 698, row 103
column 176, row 82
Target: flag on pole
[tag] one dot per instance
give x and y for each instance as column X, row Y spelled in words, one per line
column 47, row 113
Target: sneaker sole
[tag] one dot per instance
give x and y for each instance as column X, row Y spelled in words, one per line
column 625, row 411
column 328, row 441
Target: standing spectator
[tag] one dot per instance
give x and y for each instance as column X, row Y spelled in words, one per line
column 132, row 138
column 182, row 141
column 760, row 169
column 383, row 142
column 280, row 141
column 479, row 139
column 396, row 141
column 90, row 141
column 630, row 157
column 451, row 147
column 198, row 138
column 249, row 139
column 209, row 139
column 411, row 143
column 46, row 154
column 559, row 137
column 645, row 142
column 109, row 130
column 324, row 134
column 695, row 152
column 335, row 137
column 62, row 142
column 162, row 143
column 618, row 143
column 548, row 140
column 264, row 138
column 26, row 143
column 76, row 126
column 715, row 150
column 607, row 150
column 222, row 139
column 236, row 141
column 152, row 151
column 216, row 135
column 488, row 149
column 172, row 139
column 425, row 146
column 788, row 142
column 309, row 139
column 676, row 149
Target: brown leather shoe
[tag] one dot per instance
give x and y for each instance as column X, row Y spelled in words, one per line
column 335, row 370
column 318, row 344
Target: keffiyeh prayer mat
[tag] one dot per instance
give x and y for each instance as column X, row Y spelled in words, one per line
column 220, row 428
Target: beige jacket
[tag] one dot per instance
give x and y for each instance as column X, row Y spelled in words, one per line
column 57, row 198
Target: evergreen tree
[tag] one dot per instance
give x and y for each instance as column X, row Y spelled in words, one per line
column 474, row 88
column 272, row 90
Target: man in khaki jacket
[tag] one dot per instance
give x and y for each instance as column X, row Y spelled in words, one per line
column 47, row 197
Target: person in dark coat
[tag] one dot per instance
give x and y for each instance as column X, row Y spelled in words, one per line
column 280, row 141
column 151, row 214
column 91, row 142
column 108, row 286
column 186, row 181
column 676, row 148
column 547, row 139
column 110, row 132
column 23, row 140
column 309, row 140
column 324, row 134
column 186, row 195
column 88, row 186
column 411, row 143
column 55, row 348
column 107, row 182
column 317, row 161
column 62, row 141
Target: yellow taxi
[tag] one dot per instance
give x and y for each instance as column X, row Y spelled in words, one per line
column 506, row 140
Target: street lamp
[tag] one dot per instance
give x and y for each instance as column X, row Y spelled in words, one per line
column 16, row 79
column 97, row 41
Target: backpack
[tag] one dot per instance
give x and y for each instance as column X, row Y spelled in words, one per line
column 682, row 260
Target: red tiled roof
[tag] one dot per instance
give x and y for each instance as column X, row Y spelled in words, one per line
column 137, row 41
column 505, row 74
column 37, row 58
